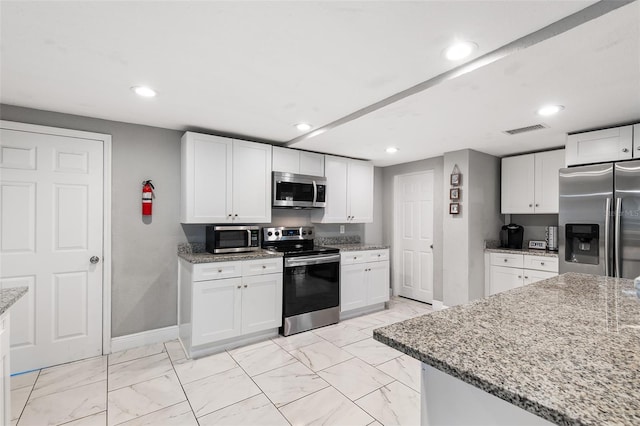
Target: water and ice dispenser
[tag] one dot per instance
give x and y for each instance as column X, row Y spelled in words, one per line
column 582, row 243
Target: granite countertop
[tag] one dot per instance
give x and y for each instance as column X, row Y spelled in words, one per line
column 523, row 251
column 566, row 349
column 358, row 247
column 230, row 257
column 10, row 296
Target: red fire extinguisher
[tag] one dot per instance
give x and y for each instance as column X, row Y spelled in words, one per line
column 147, row 195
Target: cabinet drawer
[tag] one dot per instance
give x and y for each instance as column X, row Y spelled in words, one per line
column 377, row 255
column 507, row 259
column 216, row 270
column 541, row 263
column 262, row 266
column 351, row 257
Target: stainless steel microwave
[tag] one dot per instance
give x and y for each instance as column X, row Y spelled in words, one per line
column 232, row 238
column 291, row 190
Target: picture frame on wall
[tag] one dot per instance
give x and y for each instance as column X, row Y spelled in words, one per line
column 454, row 208
column 454, row 193
column 456, row 179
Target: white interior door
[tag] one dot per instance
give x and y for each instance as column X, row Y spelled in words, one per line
column 51, row 224
column 414, row 236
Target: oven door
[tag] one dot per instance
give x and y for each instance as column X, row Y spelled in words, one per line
column 311, row 283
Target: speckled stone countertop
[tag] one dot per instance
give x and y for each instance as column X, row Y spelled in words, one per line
column 358, row 247
column 566, row 349
column 10, row 296
column 523, row 251
column 194, row 253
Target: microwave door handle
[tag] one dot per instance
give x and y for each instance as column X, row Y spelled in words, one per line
column 315, row 192
column 248, row 238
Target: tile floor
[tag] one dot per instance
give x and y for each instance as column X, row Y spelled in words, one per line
column 335, row 375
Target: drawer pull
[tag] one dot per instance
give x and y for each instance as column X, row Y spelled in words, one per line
column 506, row 260
column 219, row 271
column 526, row 277
column 354, row 257
column 239, row 286
column 379, row 255
column 541, row 263
column 264, row 267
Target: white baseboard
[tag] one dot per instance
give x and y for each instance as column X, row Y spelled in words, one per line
column 438, row 305
column 158, row 335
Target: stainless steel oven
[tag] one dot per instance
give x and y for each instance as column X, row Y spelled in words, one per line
column 298, row 191
column 311, row 281
column 232, row 238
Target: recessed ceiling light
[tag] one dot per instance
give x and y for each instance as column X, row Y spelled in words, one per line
column 550, row 109
column 392, row 150
column 303, row 127
column 144, row 91
column 459, row 50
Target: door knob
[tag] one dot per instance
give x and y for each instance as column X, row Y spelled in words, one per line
column 94, row 259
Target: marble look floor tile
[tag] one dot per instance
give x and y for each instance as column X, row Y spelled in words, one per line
column 355, row 378
column 405, row 369
column 191, row 370
column 24, row 380
column 365, row 321
column 138, row 370
column 135, row 353
column 176, row 415
column 143, row 398
column 220, row 390
column 376, row 423
column 19, row 399
column 254, row 346
column 254, row 411
column 393, row 404
column 286, row 384
column 68, row 376
column 175, row 350
column 341, row 334
column 321, row 355
column 296, row 341
column 372, row 351
column 263, row 359
column 99, row 419
column 62, row 407
column 326, row 407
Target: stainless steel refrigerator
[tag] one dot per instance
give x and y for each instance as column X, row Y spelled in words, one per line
column 599, row 223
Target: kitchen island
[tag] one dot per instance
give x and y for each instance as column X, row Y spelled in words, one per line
column 565, row 350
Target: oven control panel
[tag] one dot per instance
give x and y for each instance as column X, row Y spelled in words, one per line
column 286, row 233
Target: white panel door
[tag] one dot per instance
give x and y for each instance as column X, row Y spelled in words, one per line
column 251, row 182
column 335, row 169
column 377, row 282
column 547, row 180
column 503, row 279
column 353, row 287
column 533, row 276
column 51, row 224
column 261, row 302
column 209, row 196
column 518, row 184
column 217, row 310
column 414, row 217
column 360, row 193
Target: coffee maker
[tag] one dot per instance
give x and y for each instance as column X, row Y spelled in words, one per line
column 511, row 236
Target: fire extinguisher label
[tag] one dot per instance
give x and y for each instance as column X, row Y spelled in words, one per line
column 146, row 196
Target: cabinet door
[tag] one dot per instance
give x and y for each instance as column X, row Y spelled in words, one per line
column 286, row 160
column 251, row 182
column 216, row 310
column 261, row 302
column 206, row 179
column 547, row 181
column 360, row 193
column 518, row 184
column 335, row 169
column 311, row 163
column 378, row 282
column 353, row 288
column 600, row 146
column 532, row 276
column 636, row 141
column 503, row 279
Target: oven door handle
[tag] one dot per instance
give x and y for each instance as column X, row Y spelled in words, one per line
column 311, row 260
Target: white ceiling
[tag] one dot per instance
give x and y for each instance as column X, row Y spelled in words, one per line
column 256, row 68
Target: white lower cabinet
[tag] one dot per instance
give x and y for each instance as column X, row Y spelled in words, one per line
column 508, row 271
column 217, row 314
column 5, row 373
column 364, row 281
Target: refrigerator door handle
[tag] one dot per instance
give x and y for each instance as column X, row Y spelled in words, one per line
column 617, row 237
column 607, row 237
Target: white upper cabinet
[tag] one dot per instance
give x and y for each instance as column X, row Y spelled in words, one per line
column 349, row 192
column 601, row 146
column 294, row 161
column 530, row 182
column 225, row 180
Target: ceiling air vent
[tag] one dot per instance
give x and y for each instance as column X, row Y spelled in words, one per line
column 525, row 129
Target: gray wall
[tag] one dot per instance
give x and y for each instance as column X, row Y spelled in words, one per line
column 534, row 224
column 387, row 211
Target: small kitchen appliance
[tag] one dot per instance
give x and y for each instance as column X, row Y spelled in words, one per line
column 551, row 234
column 296, row 191
column 232, row 238
column 311, row 279
column 512, row 236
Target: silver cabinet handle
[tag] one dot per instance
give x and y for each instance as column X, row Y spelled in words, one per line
column 607, row 227
column 94, row 259
column 235, row 215
column 541, row 263
column 519, row 276
column 219, row 271
column 506, row 260
column 617, row 237
column 526, row 277
column 229, row 215
column 239, row 286
column 264, row 266
column 625, row 150
column 246, row 285
column 537, row 205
